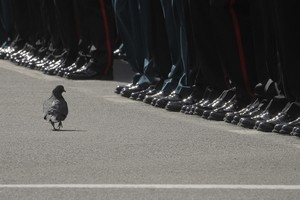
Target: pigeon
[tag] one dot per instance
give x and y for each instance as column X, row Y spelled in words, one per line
column 56, row 108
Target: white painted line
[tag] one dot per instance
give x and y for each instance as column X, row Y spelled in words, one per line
column 150, row 186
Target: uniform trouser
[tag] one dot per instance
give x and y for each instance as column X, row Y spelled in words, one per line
column 22, row 19
column 67, row 26
column 51, row 24
column 232, row 29
column 35, row 23
column 102, row 32
column 134, row 26
column 264, row 40
column 7, row 18
column 82, row 26
column 211, row 72
column 175, row 17
column 3, row 36
column 288, row 20
column 160, row 47
column 44, row 7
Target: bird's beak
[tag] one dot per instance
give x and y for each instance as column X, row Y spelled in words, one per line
column 64, row 90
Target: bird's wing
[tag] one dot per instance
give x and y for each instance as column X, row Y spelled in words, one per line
column 63, row 110
column 58, row 110
column 46, row 106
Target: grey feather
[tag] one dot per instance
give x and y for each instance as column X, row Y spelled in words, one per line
column 55, row 108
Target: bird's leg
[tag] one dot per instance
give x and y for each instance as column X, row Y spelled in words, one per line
column 52, row 123
column 60, row 125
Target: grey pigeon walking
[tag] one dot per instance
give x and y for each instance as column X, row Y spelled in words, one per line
column 56, row 108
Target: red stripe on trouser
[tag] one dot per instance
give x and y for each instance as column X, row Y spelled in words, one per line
column 108, row 44
column 240, row 46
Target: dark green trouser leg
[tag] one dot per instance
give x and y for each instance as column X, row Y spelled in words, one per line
column 177, row 37
column 134, row 26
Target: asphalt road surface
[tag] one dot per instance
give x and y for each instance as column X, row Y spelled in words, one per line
column 114, row 148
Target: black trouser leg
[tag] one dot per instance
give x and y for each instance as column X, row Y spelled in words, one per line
column 130, row 32
column 288, row 19
column 264, row 40
column 21, row 17
column 211, row 72
column 3, row 36
column 149, row 68
column 67, row 25
column 134, row 26
column 52, row 25
column 7, row 18
column 160, row 46
column 81, row 14
column 35, row 21
column 177, row 38
column 102, row 33
column 234, row 43
column 45, row 12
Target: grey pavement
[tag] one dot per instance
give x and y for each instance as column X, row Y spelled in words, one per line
column 109, row 141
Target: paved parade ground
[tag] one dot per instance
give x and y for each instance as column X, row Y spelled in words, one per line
column 112, row 147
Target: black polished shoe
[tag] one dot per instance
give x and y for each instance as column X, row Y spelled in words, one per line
column 119, row 88
column 160, row 96
column 53, row 70
column 161, row 103
column 288, row 114
column 63, row 72
column 64, row 65
column 251, row 112
column 233, row 106
column 277, row 128
column 150, row 98
column 206, row 107
column 5, row 51
column 219, row 106
column 176, row 106
column 272, row 109
column 135, row 95
column 41, row 53
column 80, row 61
column 287, row 128
column 257, row 106
column 208, row 96
column 90, row 72
column 296, row 131
column 85, row 74
column 126, row 92
column 51, row 63
column 58, row 58
column 186, row 108
column 142, row 96
column 41, row 64
column 50, row 68
column 70, row 70
column 214, row 100
column 229, row 117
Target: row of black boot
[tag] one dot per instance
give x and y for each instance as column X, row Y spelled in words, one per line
column 264, row 113
column 61, row 62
